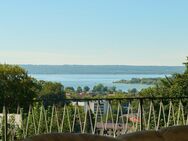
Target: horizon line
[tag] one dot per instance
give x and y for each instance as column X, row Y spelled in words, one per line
column 101, row 65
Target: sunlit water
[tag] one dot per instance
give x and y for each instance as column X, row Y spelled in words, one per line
column 90, row 80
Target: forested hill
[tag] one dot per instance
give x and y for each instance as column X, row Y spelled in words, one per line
column 102, row 69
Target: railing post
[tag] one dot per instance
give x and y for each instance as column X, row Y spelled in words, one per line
column 6, row 125
column 141, row 113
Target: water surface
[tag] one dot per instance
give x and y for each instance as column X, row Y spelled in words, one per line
column 91, row 80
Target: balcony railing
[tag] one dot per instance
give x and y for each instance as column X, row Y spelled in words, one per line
column 110, row 116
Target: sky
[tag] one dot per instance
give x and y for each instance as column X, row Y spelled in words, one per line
column 94, row 32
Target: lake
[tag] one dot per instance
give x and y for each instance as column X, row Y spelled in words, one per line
column 90, row 80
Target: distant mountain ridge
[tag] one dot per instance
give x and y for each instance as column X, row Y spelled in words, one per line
column 102, row 69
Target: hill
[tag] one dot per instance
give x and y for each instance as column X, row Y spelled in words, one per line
column 102, row 69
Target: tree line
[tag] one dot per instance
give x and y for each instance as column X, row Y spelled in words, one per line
column 17, row 86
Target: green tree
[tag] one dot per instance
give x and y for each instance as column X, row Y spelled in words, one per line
column 174, row 86
column 48, row 88
column 79, row 89
column 99, row 88
column 133, row 91
column 112, row 89
column 69, row 90
column 186, row 65
column 86, row 89
column 16, row 86
column 51, row 93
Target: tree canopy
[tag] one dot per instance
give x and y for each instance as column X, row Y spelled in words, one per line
column 51, row 93
column 16, row 85
column 48, row 88
column 176, row 85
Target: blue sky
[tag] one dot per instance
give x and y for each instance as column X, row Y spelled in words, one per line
column 128, row 32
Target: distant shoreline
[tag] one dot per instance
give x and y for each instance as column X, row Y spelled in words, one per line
column 102, row 69
column 94, row 74
column 76, row 80
column 147, row 81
